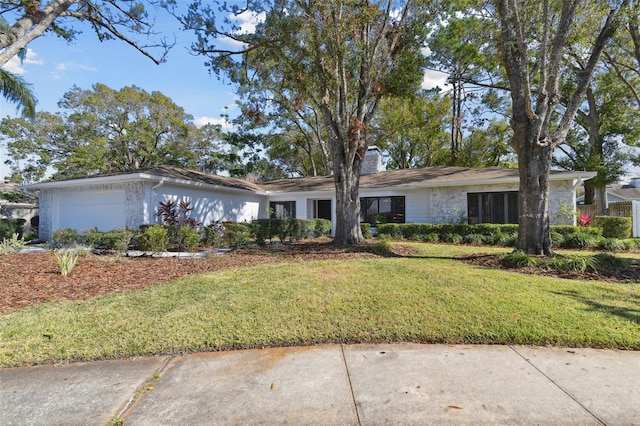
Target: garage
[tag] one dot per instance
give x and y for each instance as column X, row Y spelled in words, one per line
column 84, row 210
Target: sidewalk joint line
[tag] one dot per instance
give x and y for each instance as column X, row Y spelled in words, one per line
column 558, row 386
column 139, row 393
column 353, row 396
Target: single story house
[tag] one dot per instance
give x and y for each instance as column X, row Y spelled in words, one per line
column 428, row 195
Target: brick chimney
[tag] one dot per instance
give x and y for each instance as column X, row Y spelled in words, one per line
column 372, row 163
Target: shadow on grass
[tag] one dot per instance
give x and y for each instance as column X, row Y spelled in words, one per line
column 629, row 313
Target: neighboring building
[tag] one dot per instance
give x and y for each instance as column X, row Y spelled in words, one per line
column 18, row 204
column 624, row 192
column 619, row 193
column 428, row 195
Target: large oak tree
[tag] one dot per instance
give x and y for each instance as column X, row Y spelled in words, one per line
column 340, row 57
column 534, row 39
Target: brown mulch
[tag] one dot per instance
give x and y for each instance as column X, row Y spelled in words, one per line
column 29, row 279
column 617, row 275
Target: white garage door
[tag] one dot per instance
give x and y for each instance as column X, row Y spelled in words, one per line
column 85, row 210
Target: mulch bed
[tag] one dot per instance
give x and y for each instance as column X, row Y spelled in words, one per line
column 627, row 275
column 29, row 279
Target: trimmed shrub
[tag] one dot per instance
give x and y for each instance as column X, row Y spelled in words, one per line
column 323, row 227
column 65, row 237
column 117, row 239
column 298, row 229
column 365, row 227
column 614, row 226
column 391, row 229
column 213, row 234
column 291, row 229
column 261, row 230
column 153, row 238
column 184, row 237
column 278, row 228
column 236, row 234
column 565, row 230
column 8, row 227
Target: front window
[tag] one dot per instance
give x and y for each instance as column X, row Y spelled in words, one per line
column 283, row 209
column 382, row 210
column 492, row 207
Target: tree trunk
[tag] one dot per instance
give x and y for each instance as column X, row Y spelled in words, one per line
column 347, row 181
column 589, row 192
column 601, row 199
column 533, row 197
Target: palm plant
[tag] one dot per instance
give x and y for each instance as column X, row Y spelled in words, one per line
column 13, row 87
column 17, row 91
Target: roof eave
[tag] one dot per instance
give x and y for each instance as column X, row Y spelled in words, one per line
column 103, row 180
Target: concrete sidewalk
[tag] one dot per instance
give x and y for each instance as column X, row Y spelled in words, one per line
column 334, row 385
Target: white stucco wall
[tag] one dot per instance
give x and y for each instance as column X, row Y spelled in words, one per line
column 208, row 205
column 131, row 204
column 105, row 206
column 443, row 205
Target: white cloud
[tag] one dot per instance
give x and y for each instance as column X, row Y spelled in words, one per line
column 201, row 121
column 249, row 20
column 433, row 79
column 62, row 68
column 15, row 66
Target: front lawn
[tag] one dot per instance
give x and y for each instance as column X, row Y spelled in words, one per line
column 425, row 296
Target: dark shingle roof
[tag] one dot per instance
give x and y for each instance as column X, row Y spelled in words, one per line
column 431, row 176
column 425, row 177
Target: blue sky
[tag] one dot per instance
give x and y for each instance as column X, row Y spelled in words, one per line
column 53, row 66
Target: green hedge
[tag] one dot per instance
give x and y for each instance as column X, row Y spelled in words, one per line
column 564, row 236
column 444, row 231
column 614, row 226
column 115, row 240
column 264, row 230
column 410, row 230
column 236, row 234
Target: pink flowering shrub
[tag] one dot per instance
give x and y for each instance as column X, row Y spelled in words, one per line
column 584, row 219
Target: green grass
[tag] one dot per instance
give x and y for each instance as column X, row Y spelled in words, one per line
column 427, row 298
